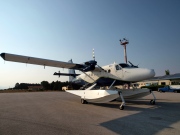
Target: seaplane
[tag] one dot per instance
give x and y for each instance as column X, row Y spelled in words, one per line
column 93, row 76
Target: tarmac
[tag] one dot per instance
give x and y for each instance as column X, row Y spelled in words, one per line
column 61, row 113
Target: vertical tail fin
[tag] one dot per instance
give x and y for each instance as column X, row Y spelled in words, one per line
column 71, row 71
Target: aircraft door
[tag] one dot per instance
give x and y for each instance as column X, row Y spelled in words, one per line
column 119, row 71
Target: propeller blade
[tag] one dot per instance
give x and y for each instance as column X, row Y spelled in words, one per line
column 101, row 68
column 133, row 64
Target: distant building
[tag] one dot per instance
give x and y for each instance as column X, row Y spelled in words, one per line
column 160, row 80
column 67, row 88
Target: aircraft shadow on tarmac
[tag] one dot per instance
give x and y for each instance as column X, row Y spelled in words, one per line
column 116, row 104
column 147, row 121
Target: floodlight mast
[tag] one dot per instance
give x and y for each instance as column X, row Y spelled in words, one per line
column 124, row 42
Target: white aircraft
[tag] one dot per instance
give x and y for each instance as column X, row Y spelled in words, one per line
column 95, row 75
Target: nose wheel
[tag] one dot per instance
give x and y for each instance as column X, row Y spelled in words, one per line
column 121, row 107
column 152, row 102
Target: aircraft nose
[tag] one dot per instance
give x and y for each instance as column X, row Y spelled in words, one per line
column 139, row 74
column 153, row 72
column 150, row 73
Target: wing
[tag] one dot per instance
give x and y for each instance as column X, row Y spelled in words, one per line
column 40, row 61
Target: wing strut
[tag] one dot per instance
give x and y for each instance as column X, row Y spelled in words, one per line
column 89, row 76
column 91, row 87
column 112, row 84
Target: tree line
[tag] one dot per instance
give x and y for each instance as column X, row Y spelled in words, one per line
column 24, row 85
column 47, row 86
column 54, row 85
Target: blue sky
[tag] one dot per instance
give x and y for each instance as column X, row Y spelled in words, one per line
column 65, row 29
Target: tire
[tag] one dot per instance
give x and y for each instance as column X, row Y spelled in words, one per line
column 86, row 102
column 121, row 107
column 152, row 102
column 83, row 101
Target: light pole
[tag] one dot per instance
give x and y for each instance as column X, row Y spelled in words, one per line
column 124, row 42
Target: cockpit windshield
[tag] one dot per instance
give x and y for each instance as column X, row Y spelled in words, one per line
column 124, row 65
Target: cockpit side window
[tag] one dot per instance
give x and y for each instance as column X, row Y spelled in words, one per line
column 117, row 67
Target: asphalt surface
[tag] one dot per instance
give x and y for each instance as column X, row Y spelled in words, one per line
column 60, row 113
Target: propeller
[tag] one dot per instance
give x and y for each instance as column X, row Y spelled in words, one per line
column 96, row 63
column 132, row 65
column 101, row 68
column 93, row 54
column 90, row 65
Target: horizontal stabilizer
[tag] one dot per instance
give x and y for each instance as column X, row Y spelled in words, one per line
column 65, row 74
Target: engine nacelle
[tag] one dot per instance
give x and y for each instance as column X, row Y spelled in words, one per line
column 91, row 62
column 89, row 65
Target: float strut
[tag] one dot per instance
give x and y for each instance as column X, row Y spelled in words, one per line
column 121, row 107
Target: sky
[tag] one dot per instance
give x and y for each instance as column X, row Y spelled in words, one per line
column 70, row 29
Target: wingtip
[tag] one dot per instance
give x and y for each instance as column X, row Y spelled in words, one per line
column 3, row 55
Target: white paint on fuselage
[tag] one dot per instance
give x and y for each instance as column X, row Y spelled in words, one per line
column 137, row 74
column 116, row 72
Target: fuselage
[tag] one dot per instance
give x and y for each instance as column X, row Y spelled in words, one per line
column 121, row 72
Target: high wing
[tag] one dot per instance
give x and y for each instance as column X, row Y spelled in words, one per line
column 43, row 62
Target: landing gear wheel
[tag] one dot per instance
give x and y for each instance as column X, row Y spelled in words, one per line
column 86, row 102
column 152, row 102
column 121, row 107
column 83, row 101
